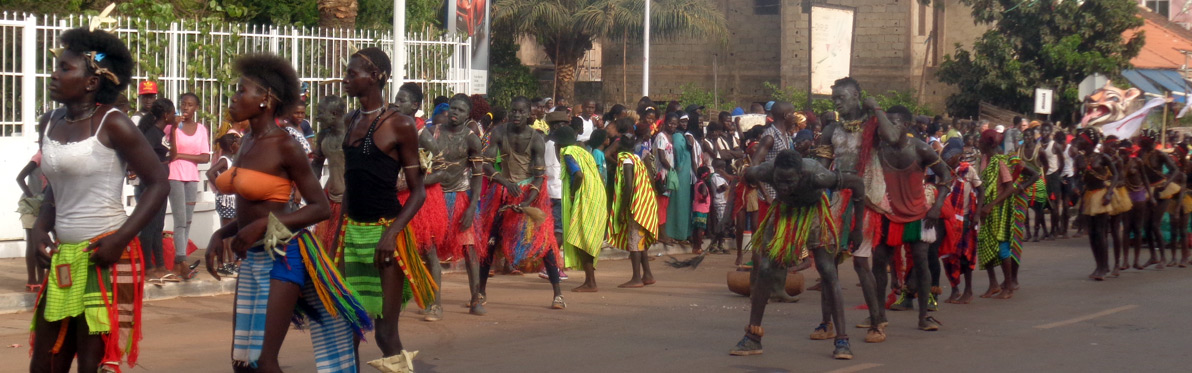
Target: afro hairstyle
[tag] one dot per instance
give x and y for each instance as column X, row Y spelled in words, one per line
column 115, row 58
column 273, row 73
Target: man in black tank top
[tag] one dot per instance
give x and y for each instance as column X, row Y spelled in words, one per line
column 377, row 244
column 518, row 218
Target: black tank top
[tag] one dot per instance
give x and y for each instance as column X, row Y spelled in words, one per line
column 370, row 176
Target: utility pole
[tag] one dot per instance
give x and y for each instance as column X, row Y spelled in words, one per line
column 646, row 54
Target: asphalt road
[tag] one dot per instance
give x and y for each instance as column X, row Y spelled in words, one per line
column 1058, row 322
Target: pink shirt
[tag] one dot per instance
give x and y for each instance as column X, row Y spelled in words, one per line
column 700, row 204
column 197, row 144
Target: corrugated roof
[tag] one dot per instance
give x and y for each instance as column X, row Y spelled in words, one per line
column 1164, row 40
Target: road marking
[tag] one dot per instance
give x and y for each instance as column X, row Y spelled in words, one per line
column 856, row 368
column 1087, row 317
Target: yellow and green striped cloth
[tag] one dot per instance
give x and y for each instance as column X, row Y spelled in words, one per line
column 643, row 208
column 583, row 213
column 359, row 246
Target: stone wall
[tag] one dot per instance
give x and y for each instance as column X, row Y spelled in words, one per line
column 888, row 52
column 748, row 57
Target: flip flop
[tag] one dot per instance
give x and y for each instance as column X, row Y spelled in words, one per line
column 33, row 288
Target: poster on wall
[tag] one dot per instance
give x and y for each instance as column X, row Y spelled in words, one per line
column 471, row 17
column 831, row 46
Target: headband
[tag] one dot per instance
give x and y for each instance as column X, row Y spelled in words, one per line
column 384, row 76
column 268, row 91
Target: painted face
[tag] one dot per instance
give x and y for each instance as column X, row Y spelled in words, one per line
column 1045, row 132
column 786, row 183
column 246, row 103
column 846, row 99
column 329, row 113
column 519, row 113
column 458, row 113
column 359, row 77
column 406, row 104
column 189, row 105
column 71, row 79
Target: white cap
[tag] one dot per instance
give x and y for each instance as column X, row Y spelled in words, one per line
column 1000, row 128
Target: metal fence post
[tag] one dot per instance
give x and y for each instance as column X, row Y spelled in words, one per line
column 29, row 77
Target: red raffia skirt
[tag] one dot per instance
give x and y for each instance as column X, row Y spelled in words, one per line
column 428, row 225
column 520, row 238
column 456, row 237
column 327, row 232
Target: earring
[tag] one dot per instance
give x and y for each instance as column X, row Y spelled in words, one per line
column 262, row 104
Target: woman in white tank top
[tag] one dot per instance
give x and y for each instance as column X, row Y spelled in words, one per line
column 96, row 259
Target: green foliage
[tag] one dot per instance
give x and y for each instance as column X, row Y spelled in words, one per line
column 508, row 78
column 303, row 13
column 1040, row 44
column 696, row 94
column 420, row 14
column 905, row 98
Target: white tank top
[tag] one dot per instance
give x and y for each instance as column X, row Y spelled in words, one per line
column 88, row 182
column 1068, row 171
column 1053, row 161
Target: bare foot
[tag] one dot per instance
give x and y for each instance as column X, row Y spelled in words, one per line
column 585, row 288
column 1115, row 273
column 1173, row 263
column 1183, row 264
column 1005, row 294
column 819, row 286
column 965, row 299
column 648, row 281
column 632, row 284
column 954, row 297
column 991, row 292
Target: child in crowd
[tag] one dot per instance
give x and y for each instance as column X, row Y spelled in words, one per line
column 700, row 206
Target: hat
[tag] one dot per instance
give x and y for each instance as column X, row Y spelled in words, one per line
column 439, row 109
column 1000, row 128
column 148, row 87
column 769, row 105
column 557, row 116
column 738, row 111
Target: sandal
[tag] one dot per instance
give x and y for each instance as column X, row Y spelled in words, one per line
column 822, row 332
column 33, row 288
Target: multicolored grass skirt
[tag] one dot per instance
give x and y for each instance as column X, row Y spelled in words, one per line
column 326, row 299
column 521, row 238
column 102, row 296
column 786, row 230
column 359, row 247
column 429, row 224
column 328, row 231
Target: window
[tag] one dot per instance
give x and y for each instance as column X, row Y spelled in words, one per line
column 1162, row 7
column 767, row 7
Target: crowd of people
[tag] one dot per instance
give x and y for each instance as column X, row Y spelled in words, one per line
column 534, row 184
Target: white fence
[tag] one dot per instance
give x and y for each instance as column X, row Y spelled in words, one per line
column 190, row 56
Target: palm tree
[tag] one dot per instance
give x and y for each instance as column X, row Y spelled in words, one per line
column 567, row 28
column 337, row 13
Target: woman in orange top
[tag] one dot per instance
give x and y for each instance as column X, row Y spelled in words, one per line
column 281, row 272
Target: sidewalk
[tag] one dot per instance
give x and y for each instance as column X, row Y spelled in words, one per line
column 13, row 297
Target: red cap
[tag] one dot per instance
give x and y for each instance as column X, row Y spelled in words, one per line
column 148, row 87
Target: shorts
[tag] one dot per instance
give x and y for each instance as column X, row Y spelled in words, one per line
column 225, row 206
column 1054, row 186
column 289, row 268
column 699, row 220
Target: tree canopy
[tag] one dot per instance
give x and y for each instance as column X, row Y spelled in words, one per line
column 1040, row 44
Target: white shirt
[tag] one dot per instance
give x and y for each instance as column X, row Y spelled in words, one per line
column 554, row 185
column 1068, row 170
column 589, row 127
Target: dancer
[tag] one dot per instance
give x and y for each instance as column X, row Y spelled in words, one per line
column 284, row 273
column 516, row 212
column 1134, row 180
column 378, row 246
column 87, row 145
column 907, row 213
column 584, row 205
column 776, row 138
column 1165, row 179
column 959, row 248
column 458, row 168
column 1032, row 154
column 329, row 153
column 633, row 225
column 427, row 225
column 847, row 146
column 799, row 222
column 1003, row 214
column 1100, row 179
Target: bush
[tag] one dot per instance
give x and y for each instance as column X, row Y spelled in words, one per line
column 508, row 78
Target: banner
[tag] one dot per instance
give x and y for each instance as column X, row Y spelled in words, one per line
column 1128, row 126
column 831, row 46
column 472, row 17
